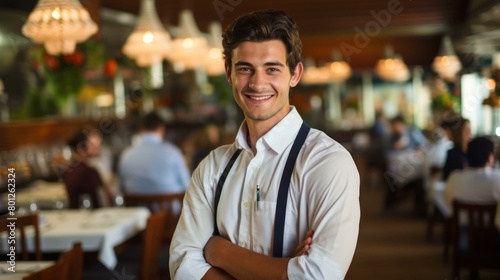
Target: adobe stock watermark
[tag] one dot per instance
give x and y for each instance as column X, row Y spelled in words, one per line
column 222, row 7
column 371, row 29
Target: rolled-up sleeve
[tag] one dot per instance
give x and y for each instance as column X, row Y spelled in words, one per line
column 332, row 183
column 193, row 230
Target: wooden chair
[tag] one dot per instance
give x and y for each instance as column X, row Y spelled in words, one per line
column 68, row 267
column 21, row 225
column 152, row 241
column 171, row 203
column 74, row 257
column 481, row 238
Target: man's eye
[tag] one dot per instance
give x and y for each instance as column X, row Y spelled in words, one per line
column 273, row 69
column 244, row 69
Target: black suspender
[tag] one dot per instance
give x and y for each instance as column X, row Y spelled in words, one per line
column 279, row 221
column 220, row 184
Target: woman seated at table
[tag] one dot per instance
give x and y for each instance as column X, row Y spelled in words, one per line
column 80, row 178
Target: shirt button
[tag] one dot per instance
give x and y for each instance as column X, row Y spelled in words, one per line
column 243, row 243
column 246, row 204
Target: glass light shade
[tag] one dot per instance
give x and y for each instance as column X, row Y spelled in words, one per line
column 339, row 71
column 189, row 48
column 447, row 66
column 59, row 25
column 214, row 64
column 392, row 69
column 150, row 42
column 315, row 75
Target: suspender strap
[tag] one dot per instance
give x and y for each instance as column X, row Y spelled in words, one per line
column 279, row 220
column 220, row 184
column 279, row 223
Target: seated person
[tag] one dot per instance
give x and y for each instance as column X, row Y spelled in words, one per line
column 153, row 166
column 456, row 158
column 405, row 163
column 479, row 183
column 79, row 177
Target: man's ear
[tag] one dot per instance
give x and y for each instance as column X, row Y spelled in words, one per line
column 228, row 73
column 299, row 69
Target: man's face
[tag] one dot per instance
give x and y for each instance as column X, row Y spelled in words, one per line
column 261, row 80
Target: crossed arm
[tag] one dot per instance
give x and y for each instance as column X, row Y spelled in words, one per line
column 229, row 261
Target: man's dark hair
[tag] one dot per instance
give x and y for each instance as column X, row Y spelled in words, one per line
column 398, row 118
column 264, row 26
column 478, row 151
column 78, row 140
column 151, row 121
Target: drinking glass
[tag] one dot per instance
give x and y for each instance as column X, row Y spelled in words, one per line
column 85, row 202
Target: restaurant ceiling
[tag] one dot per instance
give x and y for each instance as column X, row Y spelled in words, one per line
column 413, row 27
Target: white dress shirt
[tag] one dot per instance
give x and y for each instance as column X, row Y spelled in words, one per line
column 323, row 196
column 474, row 185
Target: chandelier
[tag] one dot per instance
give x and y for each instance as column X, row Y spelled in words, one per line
column 392, row 68
column 59, row 25
column 447, row 64
column 150, row 42
column 189, row 48
column 338, row 68
column 314, row 75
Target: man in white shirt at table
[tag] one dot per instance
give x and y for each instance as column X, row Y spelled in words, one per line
column 479, row 182
column 262, row 56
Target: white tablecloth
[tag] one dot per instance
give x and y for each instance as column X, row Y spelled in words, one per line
column 44, row 194
column 22, row 269
column 98, row 230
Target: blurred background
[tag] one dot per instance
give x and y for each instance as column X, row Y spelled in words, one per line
column 424, row 60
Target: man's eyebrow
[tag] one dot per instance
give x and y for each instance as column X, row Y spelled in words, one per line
column 242, row 63
column 270, row 63
column 274, row 63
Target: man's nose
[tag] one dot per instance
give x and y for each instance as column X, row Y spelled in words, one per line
column 258, row 81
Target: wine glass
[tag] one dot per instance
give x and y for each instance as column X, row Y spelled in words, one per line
column 58, row 204
column 33, row 206
column 85, row 202
column 119, row 200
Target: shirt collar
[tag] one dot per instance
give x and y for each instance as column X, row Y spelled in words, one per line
column 278, row 138
column 149, row 137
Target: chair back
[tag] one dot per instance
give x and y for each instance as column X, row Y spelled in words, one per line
column 152, row 241
column 68, row 267
column 21, row 226
column 74, row 259
column 480, row 236
column 170, row 203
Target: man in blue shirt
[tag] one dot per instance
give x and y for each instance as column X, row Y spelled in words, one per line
column 153, row 166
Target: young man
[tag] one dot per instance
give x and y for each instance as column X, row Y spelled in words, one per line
column 262, row 57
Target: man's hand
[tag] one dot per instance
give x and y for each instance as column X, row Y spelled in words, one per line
column 305, row 245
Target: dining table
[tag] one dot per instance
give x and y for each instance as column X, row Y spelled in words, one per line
column 99, row 230
column 22, row 269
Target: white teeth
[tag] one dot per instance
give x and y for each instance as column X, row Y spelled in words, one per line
column 260, row 97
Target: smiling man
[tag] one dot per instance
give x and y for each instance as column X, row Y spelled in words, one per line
column 282, row 201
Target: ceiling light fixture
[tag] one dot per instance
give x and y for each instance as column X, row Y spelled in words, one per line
column 392, row 68
column 189, row 48
column 59, row 25
column 447, row 64
column 150, row 42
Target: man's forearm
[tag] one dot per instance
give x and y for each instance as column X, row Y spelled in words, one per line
column 242, row 263
column 217, row 274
